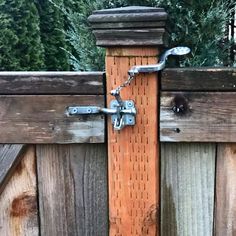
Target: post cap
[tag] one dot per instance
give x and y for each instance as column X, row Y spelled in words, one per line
column 130, row 26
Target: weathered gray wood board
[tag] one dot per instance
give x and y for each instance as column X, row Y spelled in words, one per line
column 199, row 79
column 10, row 156
column 42, row 119
column 51, row 83
column 225, row 206
column 72, row 184
column 18, row 201
column 187, row 189
column 202, row 116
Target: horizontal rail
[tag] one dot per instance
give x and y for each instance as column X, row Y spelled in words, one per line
column 42, row 119
column 80, row 83
column 198, row 117
column 199, row 79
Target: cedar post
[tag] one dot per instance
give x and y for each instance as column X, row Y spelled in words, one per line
column 133, row 36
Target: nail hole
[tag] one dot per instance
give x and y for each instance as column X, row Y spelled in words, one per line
column 177, row 130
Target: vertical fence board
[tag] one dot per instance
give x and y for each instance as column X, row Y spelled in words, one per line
column 187, row 189
column 18, row 201
column 10, row 156
column 73, row 189
column 225, row 212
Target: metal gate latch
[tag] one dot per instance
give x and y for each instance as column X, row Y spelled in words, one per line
column 121, row 116
column 123, row 112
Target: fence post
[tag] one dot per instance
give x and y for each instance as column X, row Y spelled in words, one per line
column 133, row 36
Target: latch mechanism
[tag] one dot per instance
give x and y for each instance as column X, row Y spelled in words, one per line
column 123, row 112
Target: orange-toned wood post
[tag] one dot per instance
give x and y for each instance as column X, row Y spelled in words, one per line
column 133, row 36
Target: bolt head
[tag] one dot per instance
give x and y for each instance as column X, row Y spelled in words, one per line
column 130, row 104
column 74, row 111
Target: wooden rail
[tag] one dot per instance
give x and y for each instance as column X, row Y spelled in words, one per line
column 33, row 105
column 198, row 105
column 83, row 83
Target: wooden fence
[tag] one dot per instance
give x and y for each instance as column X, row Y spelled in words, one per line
column 198, row 167
column 55, row 182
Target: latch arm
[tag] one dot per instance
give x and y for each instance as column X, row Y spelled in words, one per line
column 177, row 51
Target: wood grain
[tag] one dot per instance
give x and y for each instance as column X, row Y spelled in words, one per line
column 131, row 37
column 187, row 189
column 42, row 119
column 225, row 207
column 129, row 14
column 10, row 156
column 202, row 117
column 72, row 183
column 133, row 152
column 130, row 26
column 88, row 83
column 18, row 201
column 199, row 79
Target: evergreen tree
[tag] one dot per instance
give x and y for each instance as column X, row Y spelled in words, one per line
column 20, row 44
column 85, row 55
column 8, row 42
column 199, row 24
column 53, row 38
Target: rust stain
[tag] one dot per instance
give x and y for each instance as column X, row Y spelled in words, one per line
column 23, row 205
column 19, row 168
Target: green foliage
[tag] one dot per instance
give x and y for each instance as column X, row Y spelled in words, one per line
column 20, row 44
column 66, row 34
column 201, row 25
column 8, row 37
column 194, row 23
column 84, row 56
column 52, row 36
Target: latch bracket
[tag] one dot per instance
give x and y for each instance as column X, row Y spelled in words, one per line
column 125, row 115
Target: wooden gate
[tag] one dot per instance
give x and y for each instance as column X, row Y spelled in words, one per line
column 55, row 183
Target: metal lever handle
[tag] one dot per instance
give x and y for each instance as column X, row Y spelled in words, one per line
column 177, row 51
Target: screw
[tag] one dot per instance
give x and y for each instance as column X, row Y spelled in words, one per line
column 73, row 111
column 130, row 121
column 130, row 104
column 89, row 110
